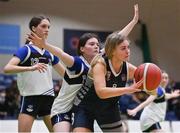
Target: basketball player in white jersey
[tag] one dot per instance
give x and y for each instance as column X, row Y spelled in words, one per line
column 154, row 107
column 77, row 68
column 33, row 66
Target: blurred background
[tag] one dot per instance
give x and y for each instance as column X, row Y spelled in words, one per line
column 154, row 39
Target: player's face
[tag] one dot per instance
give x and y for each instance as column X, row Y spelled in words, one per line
column 164, row 80
column 91, row 48
column 122, row 51
column 42, row 29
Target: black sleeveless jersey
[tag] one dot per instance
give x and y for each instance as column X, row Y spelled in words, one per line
column 87, row 96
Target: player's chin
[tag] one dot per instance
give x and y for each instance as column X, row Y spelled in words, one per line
column 95, row 53
column 126, row 59
column 45, row 36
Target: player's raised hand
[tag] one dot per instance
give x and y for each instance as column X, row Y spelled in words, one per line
column 135, row 86
column 36, row 40
column 136, row 13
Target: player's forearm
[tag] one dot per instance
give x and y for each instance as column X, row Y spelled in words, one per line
column 108, row 92
column 65, row 58
column 59, row 69
column 10, row 69
column 169, row 96
column 126, row 30
column 145, row 103
column 141, row 106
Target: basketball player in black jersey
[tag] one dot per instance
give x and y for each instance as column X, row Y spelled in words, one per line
column 99, row 95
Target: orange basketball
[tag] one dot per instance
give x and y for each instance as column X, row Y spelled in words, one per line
column 151, row 74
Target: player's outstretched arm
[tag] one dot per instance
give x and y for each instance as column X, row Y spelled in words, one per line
column 67, row 59
column 128, row 28
column 133, row 112
column 174, row 94
column 12, row 67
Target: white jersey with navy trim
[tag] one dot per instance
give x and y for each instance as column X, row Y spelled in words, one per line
column 72, row 82
column 155, row 111
column 33, row 82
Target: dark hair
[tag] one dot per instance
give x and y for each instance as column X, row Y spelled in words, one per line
column 83, row 39
column 163, row 71
column 35, row 21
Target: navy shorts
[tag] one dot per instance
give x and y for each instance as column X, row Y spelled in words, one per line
column 61, row 117
column 83, row 118
column 108, row 120
column 36, row 106
column 155, row 126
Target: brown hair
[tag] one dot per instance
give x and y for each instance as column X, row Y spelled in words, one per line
column 111, row 42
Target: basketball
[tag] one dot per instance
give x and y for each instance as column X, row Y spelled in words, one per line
column 151, row 75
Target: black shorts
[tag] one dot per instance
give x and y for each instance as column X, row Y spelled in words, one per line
column 155, row 126
column 36, row 106
column 110, row 120
column 61, row 117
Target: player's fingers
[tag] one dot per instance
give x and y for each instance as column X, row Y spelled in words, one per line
column 140, row 82
column 43, row 67
column 136, row 7
column 33, row 34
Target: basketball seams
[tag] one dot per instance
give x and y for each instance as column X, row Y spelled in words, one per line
column 145, row 76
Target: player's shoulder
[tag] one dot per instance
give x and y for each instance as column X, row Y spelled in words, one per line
column 98, row 59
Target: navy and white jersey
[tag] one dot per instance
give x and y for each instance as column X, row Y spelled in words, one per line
column 33, row 82
column 155, row 111
column 73, row 79
column 87, row 96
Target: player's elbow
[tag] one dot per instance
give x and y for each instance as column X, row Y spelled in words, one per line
column 6, row 69
column 101, row 93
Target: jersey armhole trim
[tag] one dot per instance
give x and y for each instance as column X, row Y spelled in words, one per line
column 28, row 54
column 76, row 75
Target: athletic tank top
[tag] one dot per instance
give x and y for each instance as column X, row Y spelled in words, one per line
column 87, row 96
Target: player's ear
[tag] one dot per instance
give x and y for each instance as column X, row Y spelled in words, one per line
column 33, row 29
column 82, row 49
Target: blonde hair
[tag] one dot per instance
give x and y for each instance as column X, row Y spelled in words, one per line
column 111, row 42
column 97, row 59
